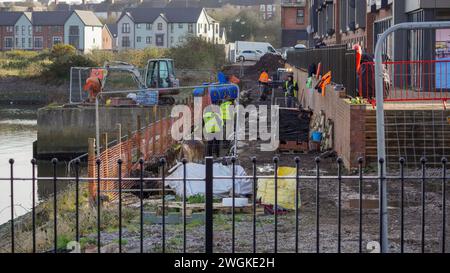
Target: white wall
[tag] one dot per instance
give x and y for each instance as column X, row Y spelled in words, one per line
column 74, row 20
column 163, row 31
column 23, row 37
column 142, row 32
column 179, row 34
column 92, row 38
column 120, row 35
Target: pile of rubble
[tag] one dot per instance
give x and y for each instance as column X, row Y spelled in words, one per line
column 271, row 62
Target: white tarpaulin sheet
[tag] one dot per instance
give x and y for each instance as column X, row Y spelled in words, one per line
column 220, row 186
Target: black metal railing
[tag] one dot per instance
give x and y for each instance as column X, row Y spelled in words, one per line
column 331, row 186
column 337, row 59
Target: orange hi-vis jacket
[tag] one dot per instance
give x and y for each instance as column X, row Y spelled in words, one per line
column 264, row 77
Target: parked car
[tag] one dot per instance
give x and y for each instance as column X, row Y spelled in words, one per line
column 250, row 55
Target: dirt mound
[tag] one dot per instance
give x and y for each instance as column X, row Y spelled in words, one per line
column 271, row 62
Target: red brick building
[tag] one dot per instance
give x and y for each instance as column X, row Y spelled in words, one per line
column 294, row 22
column 48, row 28
column 7, row 23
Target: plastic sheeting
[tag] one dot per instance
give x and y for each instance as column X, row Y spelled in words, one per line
column 221, row 187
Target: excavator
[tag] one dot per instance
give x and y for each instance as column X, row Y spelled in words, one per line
column 159, row 74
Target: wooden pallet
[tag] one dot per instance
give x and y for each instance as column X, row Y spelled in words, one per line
column 218, row 208
column 293, row 147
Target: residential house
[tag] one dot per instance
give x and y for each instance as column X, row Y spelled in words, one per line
column 112, row 29
column 48, row 28
column 149, row 27
column 363, row 21
column 83, row 30
column 294, row 22
column 107, row 38
column 23, row 32
column 7, row 27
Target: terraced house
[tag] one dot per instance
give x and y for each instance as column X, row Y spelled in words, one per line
column 43, row 29
column 164, row 28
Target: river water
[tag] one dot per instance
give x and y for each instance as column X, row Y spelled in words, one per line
column 18, row 131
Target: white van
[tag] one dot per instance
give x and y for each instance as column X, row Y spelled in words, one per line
column 260, row 47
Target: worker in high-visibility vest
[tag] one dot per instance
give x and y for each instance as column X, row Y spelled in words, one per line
column 213, row 125
column 263, row 84
column 290, row 91
column 227, row 117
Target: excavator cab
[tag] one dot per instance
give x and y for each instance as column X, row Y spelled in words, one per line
column 160, row 73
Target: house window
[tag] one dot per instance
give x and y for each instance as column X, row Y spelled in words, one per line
column 38, row 42
column 23, row 43
column 148, row 40
column 171, row 40
column 125, row 28
column 180, row 39
column 30, row 42
column 30, row 30
column 23, row 30
column 205, row 29
column 125, row 41
column 160, row 40
column 171, row 28
column 9, row 42
column 199, row 27
column 160, row 26
column 180, row 25
column 300, row 16
column 38, row 29
column 17, row 30
column 9, row 28
column 138, row 26
column 74, row 36
column 217, row 28
column 191, row 28
column 138, row 39
column 57, row 40
column 148, row 26
column 17, row 42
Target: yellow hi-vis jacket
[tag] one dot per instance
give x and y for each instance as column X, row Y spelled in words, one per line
column 225, row 110
column 213, row 122
column 294, row 86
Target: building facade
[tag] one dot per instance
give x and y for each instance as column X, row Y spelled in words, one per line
column 363, row 21
column 83, row 30
column 165, row 28
column 294, row 22
column 8, row 22
column 43, row 29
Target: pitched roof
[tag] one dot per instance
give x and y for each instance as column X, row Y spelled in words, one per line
column 113, row 29
column 182, row 15
column 50, row 18
column 172, row 15
column 9, row 18
column 88, row 18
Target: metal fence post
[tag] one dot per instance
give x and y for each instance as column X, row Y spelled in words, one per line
column 209, row 205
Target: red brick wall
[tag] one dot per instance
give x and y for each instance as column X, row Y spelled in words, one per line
column 289, row 18
column 3, row 34
column 47, row 33
column 349, row 120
